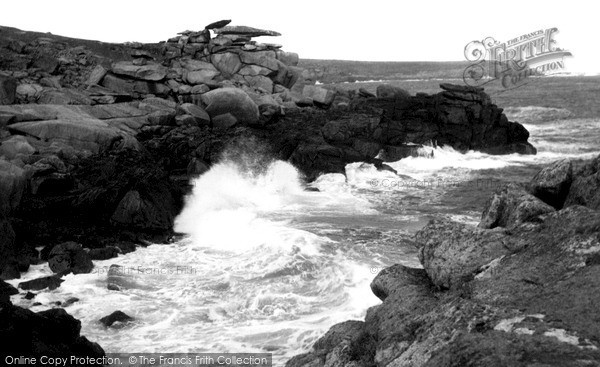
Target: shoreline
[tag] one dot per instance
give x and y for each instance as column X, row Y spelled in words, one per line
column 99, row 155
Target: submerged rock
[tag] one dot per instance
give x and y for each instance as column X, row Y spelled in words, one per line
column 118, row 317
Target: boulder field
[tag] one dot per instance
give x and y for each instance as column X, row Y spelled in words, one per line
column 520, row 289
column 99, row 142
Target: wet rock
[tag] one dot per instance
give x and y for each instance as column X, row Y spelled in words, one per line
column 104, row 253
column 69, row 301
column 143, row 211
column 48, row 333
column 511, row 206
column 6, row 290
column 342, row 345
column 70, row 257
column 552, row 183
column 401, row 280
column 51, row 282
column 118, row 317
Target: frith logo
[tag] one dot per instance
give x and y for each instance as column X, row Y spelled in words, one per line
column 512, row 62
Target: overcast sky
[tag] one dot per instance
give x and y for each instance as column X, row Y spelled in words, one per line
column 378, row 30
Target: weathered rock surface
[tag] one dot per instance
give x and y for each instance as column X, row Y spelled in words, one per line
column 585, row 188
column 231, row 101
column 151, row 72
column 451, row 252
column 486, row 297
column 511, row 206
column 552, row 183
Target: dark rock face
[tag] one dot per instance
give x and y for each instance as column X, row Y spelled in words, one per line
column 552, row 183
column 50, row 282
column 52, row 333
column 522, row 296
column 70, row 257
column 461, row 117
column 6, row 290
column 115, row 317
column 104, row 253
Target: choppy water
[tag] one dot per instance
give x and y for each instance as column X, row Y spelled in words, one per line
column 267, row 266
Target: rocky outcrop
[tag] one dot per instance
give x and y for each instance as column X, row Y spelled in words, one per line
column 117, row 317
column 552, row 183
column 50, row 333
column 69, row 257
column 462, row 117
column 486, row 297
column 511, row 206
column 585, row 187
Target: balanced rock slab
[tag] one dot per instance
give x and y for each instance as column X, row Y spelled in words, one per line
column 246, row 31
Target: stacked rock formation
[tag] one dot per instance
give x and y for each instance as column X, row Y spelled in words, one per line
column 183, row 70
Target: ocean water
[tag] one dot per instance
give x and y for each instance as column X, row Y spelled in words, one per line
column 268, row 266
